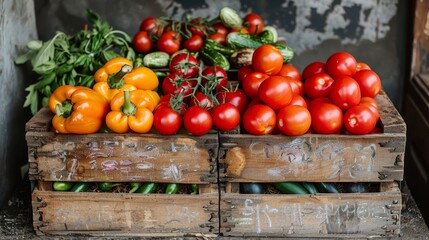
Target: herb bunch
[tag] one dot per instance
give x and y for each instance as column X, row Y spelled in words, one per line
column 72, row 60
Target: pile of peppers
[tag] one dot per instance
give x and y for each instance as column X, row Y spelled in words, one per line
column 123, row 99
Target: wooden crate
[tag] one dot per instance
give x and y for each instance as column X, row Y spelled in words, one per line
column 345, row 215
column 113, row 157
column 126, row 214
column 318, row 157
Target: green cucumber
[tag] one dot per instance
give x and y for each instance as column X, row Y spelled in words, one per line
column 62, row 186
column 214, row 58
column 107, row 186
column 134, row 186
column 269, row 35
column 286, row 51
column 157, row 59
column 148, row 188
column 172, row 188
column 218, row 47
column 310, row 187
column 230, row 18
column 195, row 188
column 81, row 187
column 327, row 187
column 291, row 188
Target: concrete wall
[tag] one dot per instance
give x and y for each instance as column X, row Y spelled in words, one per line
column 17, row 27
column 375, row 32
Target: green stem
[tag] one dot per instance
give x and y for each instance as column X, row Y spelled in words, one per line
column 116, row 80
column 128, row 108
column 64, row 109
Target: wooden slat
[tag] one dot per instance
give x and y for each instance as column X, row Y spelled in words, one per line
column 40, row 122
column 363, row 215
column 114, row 214
column 390, row 118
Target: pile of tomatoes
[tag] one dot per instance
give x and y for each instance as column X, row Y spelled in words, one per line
column 336, row 96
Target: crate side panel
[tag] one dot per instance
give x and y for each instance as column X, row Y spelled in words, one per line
column 122, row 157
column 311, row 157
column 334, row 215
column 107, row 214
column 391, row 120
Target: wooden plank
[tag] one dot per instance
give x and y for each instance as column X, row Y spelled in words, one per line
column 391, row 120
column 420, row 41
column 115, row 214
column 362, row 215
column 119, row 157
column 40, row 122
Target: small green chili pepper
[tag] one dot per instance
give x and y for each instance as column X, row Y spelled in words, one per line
column 172, row 188
column 195, row 188
column 81, row 187
column 62, row 186
column 107, row 186
column 134, row 186
column 148, row 188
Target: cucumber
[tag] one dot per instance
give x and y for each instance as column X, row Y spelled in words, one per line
column 214, row 58
column 291, row 188
column 286, row 51
column 218, row 47
column 172, row 188
column 327, row 187
column 157, row 59
column 269, row 35
column 81, row 187
column 310, row 187
column 195, row 188
column 230, row 18
column 148, row 188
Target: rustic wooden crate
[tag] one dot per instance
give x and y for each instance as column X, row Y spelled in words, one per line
column 126, row 214
column 318, row 157
column 327, row 215
column 113, row 157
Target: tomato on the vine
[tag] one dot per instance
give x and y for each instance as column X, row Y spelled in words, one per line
column 197, row 121
column 313, row 69
column 197, row 28
column 169, row 42
column 202, row 100
column 259, row 119
column 318, row 85
column 326, row 118
column 169, row 86
column 341, row 64
column 251, row 83
column 152, row 25
column 359, row 120
column 267, row 59
column 142, row 42
column 220, row 28
column 288, row 70
column 185, row 65
column 194, row 43
column 293, row 120
column 235, row 97
column 345, row 93
column 253, row 23
column 225, row 116
column 167, row 121
column 369, row 83
column 275, row 91
column 215, row 77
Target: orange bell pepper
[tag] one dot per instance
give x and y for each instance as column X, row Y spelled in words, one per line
column 114, row 84
column 78, row 110
column 142, row 77
column 132, row 111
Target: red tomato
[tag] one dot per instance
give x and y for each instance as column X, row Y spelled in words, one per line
column 267, row 59
column 166, row 101
column 197, row 121
column 318, row 85
column 142, row 42
column 243, row 72
column 359, row 120
column 298, row 100
column 225, row 116
column 167, row 121
column 372, row 104
column 288, row 70
column 259, row 119
column 218, row 37
column 194, row 43
column 151, row 25
column 202, row 100
column 295, row 86
column 253, row 23
column 362, row 66
column 220, row 28
column 169, row 42
column 185, row 65
column 369, row 83
column 275, row 91
column 345, row 93
column 293, row 120
column 237, row 98
column 251, row 83
column 326, row 118
column 316, row 101
column 255, row 101
column 169, row 86
column 214, row 77
column 196, row 28
column 313, row 69
column 341, row 64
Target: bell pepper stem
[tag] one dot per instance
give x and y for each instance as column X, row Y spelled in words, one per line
column 64, row 109
column 116, row 80
column 128, row 108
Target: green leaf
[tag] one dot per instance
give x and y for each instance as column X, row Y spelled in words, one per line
column 107, row 55
column 32, row 99
column 45, row 68
column 25, row 57
column 34, row 45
